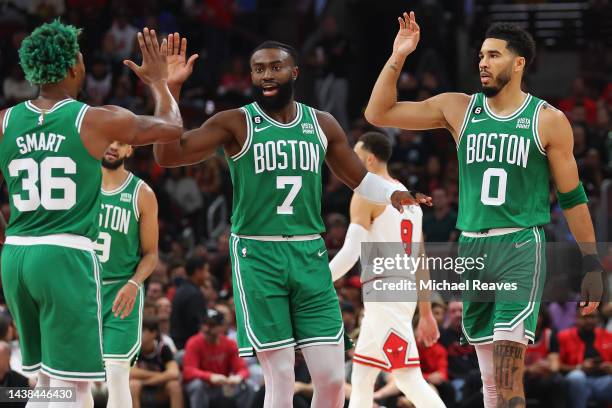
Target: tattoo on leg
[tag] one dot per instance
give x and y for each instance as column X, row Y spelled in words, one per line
column 508, row 357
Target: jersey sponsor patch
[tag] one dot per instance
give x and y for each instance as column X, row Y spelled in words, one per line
column 523, row 123
column 126, row 197
column 308, row 129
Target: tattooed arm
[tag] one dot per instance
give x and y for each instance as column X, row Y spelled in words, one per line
column 509, row 361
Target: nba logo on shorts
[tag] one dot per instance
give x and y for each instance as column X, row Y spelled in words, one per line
column 257, row 119
column 243, row 252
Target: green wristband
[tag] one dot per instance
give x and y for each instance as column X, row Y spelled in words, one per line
column 572, row 198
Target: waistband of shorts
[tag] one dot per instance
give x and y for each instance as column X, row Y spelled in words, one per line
column 279, row 237
column 64, row 240
column 494, row 232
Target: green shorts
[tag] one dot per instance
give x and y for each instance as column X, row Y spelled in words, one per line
column 53, row 294
column 122, row 337
column 284, row 294
column 516, row 258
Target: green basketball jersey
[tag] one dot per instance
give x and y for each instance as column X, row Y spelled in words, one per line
column 53, row 181
column 276, row 175
column 118, row 246
column 503, row 169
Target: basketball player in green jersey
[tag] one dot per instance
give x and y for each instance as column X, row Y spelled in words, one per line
column 275, row 150
column 127, row 250
column 50, row 152
column 508, row 143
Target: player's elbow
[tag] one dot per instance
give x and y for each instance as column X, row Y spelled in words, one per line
column 373, row 116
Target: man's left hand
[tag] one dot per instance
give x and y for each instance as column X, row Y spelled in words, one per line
column 124, row 301
column 400, row 198
column 427, row 332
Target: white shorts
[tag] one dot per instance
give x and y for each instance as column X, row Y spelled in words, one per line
column 386, row 339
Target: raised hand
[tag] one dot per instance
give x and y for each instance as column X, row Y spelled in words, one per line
column 408, row 35
column 179, row 68
column 154, row 67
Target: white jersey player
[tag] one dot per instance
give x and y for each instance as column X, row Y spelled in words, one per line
column 386, row 340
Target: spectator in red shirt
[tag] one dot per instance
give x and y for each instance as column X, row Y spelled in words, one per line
column 434, row 365
column 213, row 372
column 585, row 352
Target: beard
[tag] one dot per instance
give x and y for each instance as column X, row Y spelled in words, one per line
column 498, row 83
column 112, row 165
column 277, row 102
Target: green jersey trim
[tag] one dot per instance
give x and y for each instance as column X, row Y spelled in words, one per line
column 465, row 118
column 295, row 121
column 510, row 116
column 318, row 129
column 56, row 106
column 249, row 137
column 120, row 188
column 5, row 120
column 536, row 133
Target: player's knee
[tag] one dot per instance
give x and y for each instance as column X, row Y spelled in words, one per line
column 331, row 378
column 173, row 386
column 135, row 386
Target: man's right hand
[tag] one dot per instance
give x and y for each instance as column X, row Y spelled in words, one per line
column 179, row 68
column 154, row 66
column 218, row 379
column 408, row 35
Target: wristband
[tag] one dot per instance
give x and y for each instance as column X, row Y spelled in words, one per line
column 572, row 198
column 591, row 263
column 376, row 189
column 133, row 282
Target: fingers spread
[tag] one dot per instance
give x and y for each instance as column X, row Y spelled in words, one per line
column 143, row 45
column 176, row 45
column 184, row 47
column 170, row 44
column 192, row 59
column 154, row 42
column 164, row 48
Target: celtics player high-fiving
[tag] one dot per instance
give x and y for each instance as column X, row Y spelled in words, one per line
column 508, row 144
column 127, row 250
column 275, row 149
column 50, row 152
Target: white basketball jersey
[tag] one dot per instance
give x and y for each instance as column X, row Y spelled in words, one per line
column 393, row 226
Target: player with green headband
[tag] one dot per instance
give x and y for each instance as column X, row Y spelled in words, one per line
column 50, row 153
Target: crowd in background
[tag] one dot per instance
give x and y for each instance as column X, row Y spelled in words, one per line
column 189, row 351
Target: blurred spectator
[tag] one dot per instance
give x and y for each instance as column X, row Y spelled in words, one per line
column 439, row 224
column 164, row 309
column 9, row 377
column 336, row 196
column 155, row 290
column 214, row 374
column 434, row 365
column 462, row 360
column 336, row 230
column 16, row 88
column 122, row 37
column 439, row 312
column 585, row 352
column 562, row 315
column 155, row 377
column 183, row 190
column 579, row 97
column 543, row 380
column 189, row 304
column 98, row 82
column 236, row 83
column 331, row 56
column 46, row 9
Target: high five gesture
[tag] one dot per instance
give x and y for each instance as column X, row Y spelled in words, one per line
column 408, row 35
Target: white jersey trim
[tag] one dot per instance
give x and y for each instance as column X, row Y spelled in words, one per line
column 511, row 116
column 279, row 237
column 465, row 119
column 534, row 128
column 249, row 137
column 65, row 240
column 120, row 188
column 318, row 129
column 494, row 232
column 295, row 121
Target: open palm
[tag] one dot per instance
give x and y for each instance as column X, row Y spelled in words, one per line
column 179, row 67
column 408, row 35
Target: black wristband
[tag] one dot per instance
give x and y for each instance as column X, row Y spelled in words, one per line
column 591, row 263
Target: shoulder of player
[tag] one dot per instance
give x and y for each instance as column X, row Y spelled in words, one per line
column 146, row 198
column 328, row 123
column 553, row 125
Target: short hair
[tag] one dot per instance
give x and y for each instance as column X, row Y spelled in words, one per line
column 5, row 324
column 47, row 53
column 193, row 264
column 378, row 144
column 279, row 46
column 518, row 40
column 150, row 323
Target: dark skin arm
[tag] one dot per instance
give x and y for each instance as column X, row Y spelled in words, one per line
column 345, row 164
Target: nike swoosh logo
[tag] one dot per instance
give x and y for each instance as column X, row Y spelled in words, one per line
column 320, row 253
column 517, row 245
column 258, row 129
column 474, row 120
